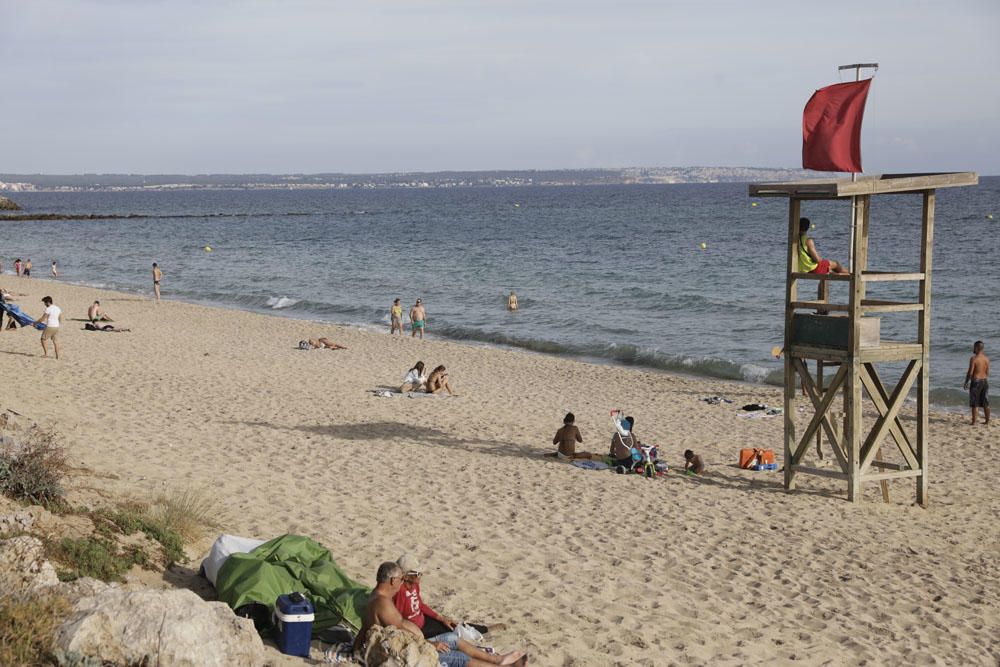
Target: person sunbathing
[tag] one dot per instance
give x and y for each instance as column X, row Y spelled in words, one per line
column 438, row 382
column 415, row 379
column 414, row 609
column 324, row 343
column 567, row 437
column 452, row 651
column 92, row 326
column 95, row 314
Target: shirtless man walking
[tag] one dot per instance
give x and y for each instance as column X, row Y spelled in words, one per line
column 418, row 318
column 976, row 381
column 453, row 652
column 157, row 277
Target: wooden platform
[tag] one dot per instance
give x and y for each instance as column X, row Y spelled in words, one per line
column 866, row 185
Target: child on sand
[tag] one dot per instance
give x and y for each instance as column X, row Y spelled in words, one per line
column 567, row 437
column 693, row 463
column 977, row 382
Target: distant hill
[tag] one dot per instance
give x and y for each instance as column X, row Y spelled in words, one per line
column 437, row 179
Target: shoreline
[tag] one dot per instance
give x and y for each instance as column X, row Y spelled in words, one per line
column 955, row 408
column 682, row 569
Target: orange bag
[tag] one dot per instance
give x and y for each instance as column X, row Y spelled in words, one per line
column 751, row 457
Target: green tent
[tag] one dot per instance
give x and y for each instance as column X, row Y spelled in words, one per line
column 293, row 563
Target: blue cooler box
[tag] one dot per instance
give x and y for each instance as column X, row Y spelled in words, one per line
column 293, row 620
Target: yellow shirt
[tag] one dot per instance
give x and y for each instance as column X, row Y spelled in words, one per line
column 806, row 262
column 397, row 311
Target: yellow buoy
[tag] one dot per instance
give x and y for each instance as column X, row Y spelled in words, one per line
column 776, row 351
column 208, row 248
column 703, row 246
column 812, row 226
column 754, row 204
column 517, row 206
column 989, row 216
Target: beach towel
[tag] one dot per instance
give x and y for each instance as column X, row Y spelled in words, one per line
column 15, row 313
column 386, row 393
column 590, row 465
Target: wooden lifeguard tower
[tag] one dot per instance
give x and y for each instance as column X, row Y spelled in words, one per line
column 852, row 342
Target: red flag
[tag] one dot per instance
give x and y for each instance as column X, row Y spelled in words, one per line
column 831, row 127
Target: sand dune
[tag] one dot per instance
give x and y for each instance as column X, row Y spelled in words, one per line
column 586, row 568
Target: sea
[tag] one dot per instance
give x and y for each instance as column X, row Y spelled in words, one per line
column 682, row 278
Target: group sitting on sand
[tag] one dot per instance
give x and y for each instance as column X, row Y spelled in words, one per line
column 623, row 442
column 435, row 383
column 397, row 593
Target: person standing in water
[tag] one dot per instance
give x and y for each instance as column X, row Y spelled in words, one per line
column 396, row 313
column 157, row 277
column 512, row 301
column 418, row 318
column 27, row 268
column 55, row 270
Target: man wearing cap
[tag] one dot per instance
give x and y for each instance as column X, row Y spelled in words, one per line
column 453, row 652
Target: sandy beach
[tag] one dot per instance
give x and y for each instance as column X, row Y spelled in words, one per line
column 585, row 567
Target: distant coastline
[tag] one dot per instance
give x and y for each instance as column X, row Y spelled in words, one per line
column 404, row 180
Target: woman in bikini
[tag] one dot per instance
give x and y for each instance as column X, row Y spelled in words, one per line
column 438, row 382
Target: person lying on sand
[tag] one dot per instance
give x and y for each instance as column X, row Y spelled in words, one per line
column 412, row 606
column 96, row 314
column 415, row 379
column 452, row 652
column 438, row 382
column 92, row 326
column 567, row 437
column 320, row 344
column 693, row 463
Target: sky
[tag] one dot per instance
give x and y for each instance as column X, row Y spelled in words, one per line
column 171, row 86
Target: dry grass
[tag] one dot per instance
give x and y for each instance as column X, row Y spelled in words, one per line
column 32, row 465
column 27, row 626
column 187, row 512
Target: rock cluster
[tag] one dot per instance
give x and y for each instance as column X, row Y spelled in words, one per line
column 112, row 625
column 8, row 205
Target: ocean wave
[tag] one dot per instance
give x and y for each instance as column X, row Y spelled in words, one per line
column 625, row 354
column 279, row 302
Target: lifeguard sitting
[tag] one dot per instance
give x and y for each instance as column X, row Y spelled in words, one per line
column 809, row 259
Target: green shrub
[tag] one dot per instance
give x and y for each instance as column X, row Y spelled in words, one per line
column 96, row 557
column 134, row 517
column 32, row 466
column 27, row 625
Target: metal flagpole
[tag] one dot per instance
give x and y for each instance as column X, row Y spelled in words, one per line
column 854, row 176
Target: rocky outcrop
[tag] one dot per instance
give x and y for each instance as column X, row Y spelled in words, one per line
column 158, row 627
column 23, row 568
column 8, row 205
column 112, row 625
